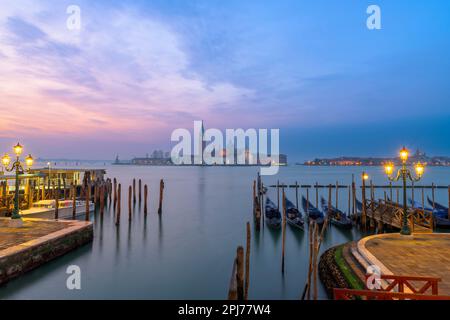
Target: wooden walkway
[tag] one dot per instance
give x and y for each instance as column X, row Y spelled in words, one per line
column 391, row 214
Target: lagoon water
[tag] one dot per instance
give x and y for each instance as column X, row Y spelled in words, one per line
column 188, row 251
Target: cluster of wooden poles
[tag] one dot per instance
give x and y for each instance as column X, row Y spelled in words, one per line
column 102, row 191
column 133, row 197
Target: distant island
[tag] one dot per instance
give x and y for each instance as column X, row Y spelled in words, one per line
column 418, row 156
column 160, row 158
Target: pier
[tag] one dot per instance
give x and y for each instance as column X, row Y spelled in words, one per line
column 37, row 242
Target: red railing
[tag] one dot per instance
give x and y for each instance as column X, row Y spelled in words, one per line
column 395, row 290
column 348, row 294
column 399, row 283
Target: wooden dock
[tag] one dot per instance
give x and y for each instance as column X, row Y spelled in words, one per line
column 391, row 214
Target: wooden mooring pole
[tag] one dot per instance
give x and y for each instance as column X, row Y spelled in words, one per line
column 317, row 195
column 102, row 199
column 432, row 195
column 57, row 205
column 240, row 272
column 119, row 187
column 134, row 190
column 247, row 262
column 140, row 191
column 115, row 193
column 161, row 195
column 145, row 199
column 88, row 197
column 74, row 201
column 129, row 203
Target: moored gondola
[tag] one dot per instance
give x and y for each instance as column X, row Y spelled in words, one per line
column 440, row 216
column 293, row 215
column 272, row 215
column 437, row 206
column 337, row 217
column 312, row 212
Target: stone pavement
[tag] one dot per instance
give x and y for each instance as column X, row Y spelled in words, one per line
column 32, row 229
column 38, row 241
column 422, row 254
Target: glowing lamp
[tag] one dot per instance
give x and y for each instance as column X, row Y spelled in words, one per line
column 18, row 149
column 389, row 169
column 6, row 160
column 365, row 176
column 29, row 160
column 404, row 154
column 419, row 169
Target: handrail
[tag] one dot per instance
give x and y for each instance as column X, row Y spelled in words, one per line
column 348, row 294
column 399, row 283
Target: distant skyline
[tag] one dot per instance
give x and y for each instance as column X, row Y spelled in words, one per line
column 137, row 70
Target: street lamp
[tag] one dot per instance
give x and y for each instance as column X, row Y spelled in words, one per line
column 18, row 168
column 405, row 174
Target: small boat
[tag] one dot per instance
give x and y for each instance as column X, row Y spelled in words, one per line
column 293, row 216
column 337, row 217
column 45, row 209
column 312, row 212
column 272, row 215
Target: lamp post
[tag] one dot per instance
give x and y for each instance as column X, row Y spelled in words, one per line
column 405, row 174
column 18, row 168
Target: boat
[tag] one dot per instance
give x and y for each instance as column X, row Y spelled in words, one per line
column 312, row 212
column 440, row 215
column 272, row 215
column 337, row 217
column 293, row 215
column 45, row 209
column 437, row 206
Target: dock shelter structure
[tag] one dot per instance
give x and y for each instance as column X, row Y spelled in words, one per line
column 45, row 183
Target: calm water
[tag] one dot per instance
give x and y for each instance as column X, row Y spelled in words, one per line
column 187, row 253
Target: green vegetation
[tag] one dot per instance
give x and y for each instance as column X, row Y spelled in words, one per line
column 350, row 277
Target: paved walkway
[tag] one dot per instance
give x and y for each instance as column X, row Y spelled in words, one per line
column 31, row 230
column 417, row 255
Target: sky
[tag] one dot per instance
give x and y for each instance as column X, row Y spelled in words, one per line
column 137, row 70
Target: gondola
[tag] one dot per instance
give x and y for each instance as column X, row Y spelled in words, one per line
column 440, row 216
column 272, row 215
column 438, row 206
column 337, row 217
column 294, row 216
column 312, row 212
